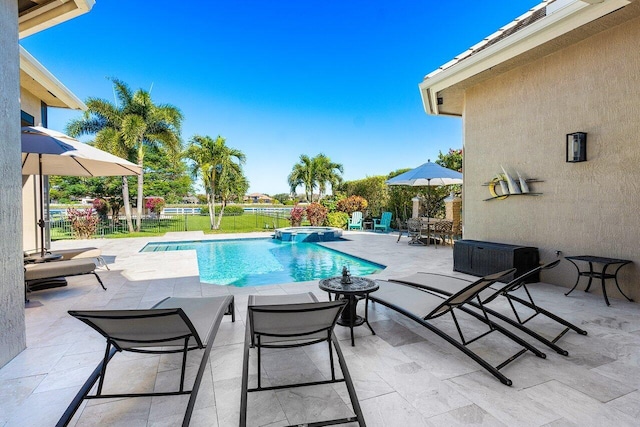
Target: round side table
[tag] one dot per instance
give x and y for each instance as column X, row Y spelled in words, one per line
column 359, row 287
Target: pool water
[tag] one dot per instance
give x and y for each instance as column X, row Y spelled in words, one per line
column 252, row 262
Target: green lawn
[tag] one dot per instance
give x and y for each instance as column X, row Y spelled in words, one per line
column 61, row 230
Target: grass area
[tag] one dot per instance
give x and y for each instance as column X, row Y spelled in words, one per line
column 61, row 230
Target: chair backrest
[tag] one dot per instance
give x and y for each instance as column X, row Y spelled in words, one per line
column 356, row 218
column 443, row 226
column 519, row 281
column 130, row 329
column 414, row 225
column 307, row 323
column 468, row 293
column 385, row 219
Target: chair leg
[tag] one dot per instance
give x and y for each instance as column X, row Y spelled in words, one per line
column 184, row 362
column 99, row 280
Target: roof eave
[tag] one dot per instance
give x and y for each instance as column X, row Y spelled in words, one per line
column 550, row 27
column 51, row 14
column 46, row 86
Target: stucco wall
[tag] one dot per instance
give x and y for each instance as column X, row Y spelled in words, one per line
column 12, row 325
column 519, row 120
column 29, row 103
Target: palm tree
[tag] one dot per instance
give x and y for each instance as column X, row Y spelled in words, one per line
column 127, row 128
column 327, row 172
column 217, row 164
column 303, row 173
column 315, row 172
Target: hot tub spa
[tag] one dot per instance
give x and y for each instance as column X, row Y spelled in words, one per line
column 308, row 234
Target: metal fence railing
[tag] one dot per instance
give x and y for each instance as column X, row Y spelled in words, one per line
column 252, row 220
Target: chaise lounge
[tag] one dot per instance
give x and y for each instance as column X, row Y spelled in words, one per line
column 422, row 306
column 174, row 325
column 80, row 253
column 49, row 274
column 448, row 285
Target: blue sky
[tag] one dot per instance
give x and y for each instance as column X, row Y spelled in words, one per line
column 279, row 79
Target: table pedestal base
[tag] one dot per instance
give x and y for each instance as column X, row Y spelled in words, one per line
column 359, row 320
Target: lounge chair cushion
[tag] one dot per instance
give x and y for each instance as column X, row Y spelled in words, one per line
column 49, row 270
column 77, row 253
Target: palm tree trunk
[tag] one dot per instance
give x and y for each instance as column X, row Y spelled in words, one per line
column 140, row 195
column 125, row 201
column 220, row 215
column 212, row 210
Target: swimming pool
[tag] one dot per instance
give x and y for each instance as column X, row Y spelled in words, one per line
column 252, row 262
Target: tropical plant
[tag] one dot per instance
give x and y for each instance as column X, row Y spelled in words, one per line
column 373, row 188
column 326, row 172
column 312, row 173
column 303, row 174
column 337, row 219
column 352, row 204
column 101, row 207
column 154, row 204
column 296, row 215
column 127, row 128
column 83, row 222
column 217, row 165
column 316, row 214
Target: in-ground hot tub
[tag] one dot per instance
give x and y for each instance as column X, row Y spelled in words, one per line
column 308, row 234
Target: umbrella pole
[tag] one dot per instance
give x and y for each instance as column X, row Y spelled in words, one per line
column 41, row 221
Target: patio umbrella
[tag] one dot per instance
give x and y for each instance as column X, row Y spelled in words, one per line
column 47, row 152
column 427, row 175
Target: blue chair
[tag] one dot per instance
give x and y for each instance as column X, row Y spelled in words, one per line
column 384, row 223
column 355, row 222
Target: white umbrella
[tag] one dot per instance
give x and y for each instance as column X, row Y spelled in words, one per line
column 427, row 175
column 47, row 152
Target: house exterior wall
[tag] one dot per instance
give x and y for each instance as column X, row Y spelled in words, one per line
column 29, row 103
column 12, row 324
column 520, row 119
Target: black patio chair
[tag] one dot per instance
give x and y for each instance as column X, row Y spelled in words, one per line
column 174, row 325
column 288, row 321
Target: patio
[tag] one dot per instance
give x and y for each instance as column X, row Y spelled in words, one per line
column 404, row 375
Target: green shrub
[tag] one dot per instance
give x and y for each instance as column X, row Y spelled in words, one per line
column 337, row 219
column 204, row 210
column 233, row 210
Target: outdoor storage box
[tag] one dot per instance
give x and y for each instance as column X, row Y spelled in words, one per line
column 481, row 258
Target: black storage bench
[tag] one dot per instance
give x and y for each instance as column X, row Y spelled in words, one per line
column 480, row 258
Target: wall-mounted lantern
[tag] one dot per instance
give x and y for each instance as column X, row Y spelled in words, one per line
column 576, row 147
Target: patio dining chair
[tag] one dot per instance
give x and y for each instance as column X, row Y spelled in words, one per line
column 423, row 306
column 174, row 325
column 448, row 285
column 414, row 231
column 289, row 321
column 443, row 229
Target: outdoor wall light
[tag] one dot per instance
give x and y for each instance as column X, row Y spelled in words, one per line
column 576, row 147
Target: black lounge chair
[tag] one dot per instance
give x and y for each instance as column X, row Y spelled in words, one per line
column 174, row 325
column 422, row 306
column 448, row 285
column 286, row 321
